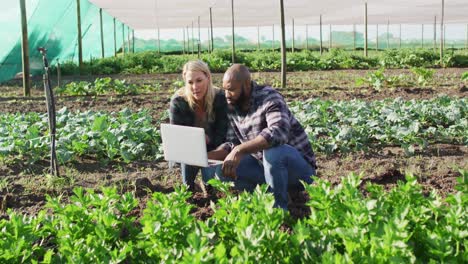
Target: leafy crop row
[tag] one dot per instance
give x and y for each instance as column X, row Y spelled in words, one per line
column 105, row 85
column 331, row 125
column 360, row 125
column 344, row 226
column 122, row 136
column 266, row 60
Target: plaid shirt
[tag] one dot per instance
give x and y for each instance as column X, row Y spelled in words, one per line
column 268, row 116
column 180, row 113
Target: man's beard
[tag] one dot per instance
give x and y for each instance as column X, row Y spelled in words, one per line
column 240, row 101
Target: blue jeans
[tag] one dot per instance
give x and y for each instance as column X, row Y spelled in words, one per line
column 189, row 173
column 282, row 169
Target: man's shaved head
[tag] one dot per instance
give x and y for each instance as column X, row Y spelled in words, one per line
column 238, row 73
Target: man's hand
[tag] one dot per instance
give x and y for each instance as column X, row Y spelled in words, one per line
column 231, row 162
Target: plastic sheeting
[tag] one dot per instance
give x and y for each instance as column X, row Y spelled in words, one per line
column 150, row 14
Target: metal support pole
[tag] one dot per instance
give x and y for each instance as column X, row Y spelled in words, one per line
column 365, row 29
column 435, row 34
column 258, row 37
column 159, row 42
column 377, row 37
column 283, row 47
column 59, row 74
column 442, row 31
column 25, row 50
column 388, row 34
column 183, row 42
column 321, row 40
column 199, row 38
column 422, row 36
column 115, row 40
column 292, row 48
column 399, row 43
column 307, row 37
column 193, row 41
column 80, row 44
column 211, row 30
column 102, row 32
column 354, row 36
column 466, row 37
column 123, row 39
column 233, row 36
column 273, row 38
column 128, row 39
column 208, row 39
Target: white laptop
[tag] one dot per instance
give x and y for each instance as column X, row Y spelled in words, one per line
column 185, row 144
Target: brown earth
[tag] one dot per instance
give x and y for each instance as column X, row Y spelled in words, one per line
column 24, row 187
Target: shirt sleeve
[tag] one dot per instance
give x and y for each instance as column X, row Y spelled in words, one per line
column 231, row 139
column 179, row 112
column 222, row 121
column 277, row 118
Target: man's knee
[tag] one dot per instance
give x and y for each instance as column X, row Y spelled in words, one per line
column 274, row 154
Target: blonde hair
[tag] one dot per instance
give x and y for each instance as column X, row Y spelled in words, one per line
column 186, row 92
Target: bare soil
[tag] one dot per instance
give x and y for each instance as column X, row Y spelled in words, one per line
column 27, row 186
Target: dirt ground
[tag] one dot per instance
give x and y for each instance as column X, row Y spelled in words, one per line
column 27, row 186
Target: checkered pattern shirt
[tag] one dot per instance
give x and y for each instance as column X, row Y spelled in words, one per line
column 268, row 116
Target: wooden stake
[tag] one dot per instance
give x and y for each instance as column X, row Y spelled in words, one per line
column 25, row 50
column 283, row 46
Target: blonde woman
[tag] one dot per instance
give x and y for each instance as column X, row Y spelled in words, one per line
column 200, row 104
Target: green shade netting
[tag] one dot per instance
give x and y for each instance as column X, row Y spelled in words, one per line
column 53, row 24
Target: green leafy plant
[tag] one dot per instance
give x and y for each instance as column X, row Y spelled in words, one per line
column 424, row 76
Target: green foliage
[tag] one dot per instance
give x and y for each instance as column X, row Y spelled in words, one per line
column 378, row 80
column 358, row 125
column 401, row 225
column 424, row 76
column 122, row 136
column 464, row 77
column 342, row 126
column 105, row 85
column 267, row 60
